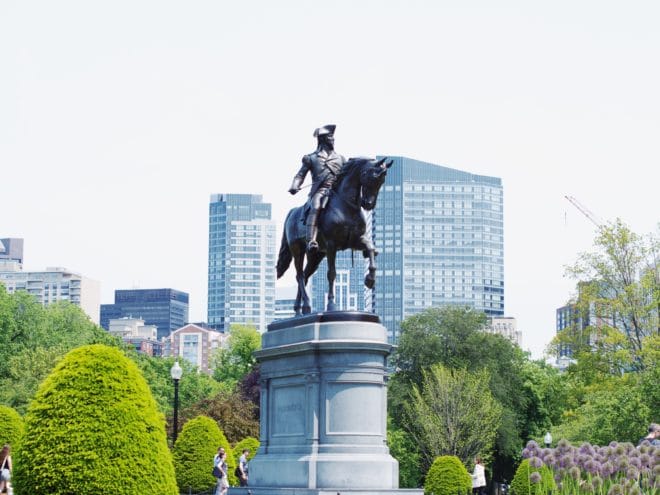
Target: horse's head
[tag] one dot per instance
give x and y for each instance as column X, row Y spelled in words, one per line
column 372, row 177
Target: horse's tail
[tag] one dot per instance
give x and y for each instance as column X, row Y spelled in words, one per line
column 284, row 258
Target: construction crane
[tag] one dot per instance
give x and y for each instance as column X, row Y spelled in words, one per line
column 585, row 211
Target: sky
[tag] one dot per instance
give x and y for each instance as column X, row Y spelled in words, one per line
column 119, row 119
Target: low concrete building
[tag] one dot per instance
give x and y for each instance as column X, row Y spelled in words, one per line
column 133, row 331
column 505, row 326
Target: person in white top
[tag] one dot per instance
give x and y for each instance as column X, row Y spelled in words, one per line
column 478, row 478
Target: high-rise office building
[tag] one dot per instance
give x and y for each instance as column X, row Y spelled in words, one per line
column 11, row 254
column 55, row 284
column 242, row 256
column 440, row 235
column 166, row 309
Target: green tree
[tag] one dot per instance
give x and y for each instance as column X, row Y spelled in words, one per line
column 250, row 443
column 406, row 451
column 232, row 363
column 11, row 426
column 233, row 414
column 619, row 288
column 93, row 427
column 454, row 413
column 193, row 454
column 447, row 476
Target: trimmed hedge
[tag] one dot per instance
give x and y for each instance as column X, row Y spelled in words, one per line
column 447, row 476
column 93, row 427
column 521, row 484
column 193, row 454
column 11, row 426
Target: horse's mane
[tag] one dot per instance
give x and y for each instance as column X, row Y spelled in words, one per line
column 350, row 166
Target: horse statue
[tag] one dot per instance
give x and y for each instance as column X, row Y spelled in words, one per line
column 341, row 226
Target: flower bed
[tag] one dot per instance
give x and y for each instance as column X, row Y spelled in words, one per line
column 616, row 469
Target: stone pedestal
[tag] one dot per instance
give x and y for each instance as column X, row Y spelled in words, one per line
column 324, row 408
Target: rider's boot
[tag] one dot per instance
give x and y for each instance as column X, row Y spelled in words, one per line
column 312, row 232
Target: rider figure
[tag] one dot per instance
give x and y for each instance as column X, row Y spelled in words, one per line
column 324, row 165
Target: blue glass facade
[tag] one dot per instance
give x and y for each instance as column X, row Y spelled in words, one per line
column 241, row 270
column 349, row 283
column 440, row 235
column 167, row 309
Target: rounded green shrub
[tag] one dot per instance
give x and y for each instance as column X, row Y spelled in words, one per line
column 193, row 454
column 521, row 484
column 93, row 427
column 447, row 476
column 11, row 426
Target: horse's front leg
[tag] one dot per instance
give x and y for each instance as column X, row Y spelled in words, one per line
column 332, row 274
column 369, row 252
column 302, row 299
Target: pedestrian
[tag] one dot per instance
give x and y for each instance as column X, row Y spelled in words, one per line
column 242, row 469
column 220, row 472
column 653, row 436
column 478, row 478
column 5, row 469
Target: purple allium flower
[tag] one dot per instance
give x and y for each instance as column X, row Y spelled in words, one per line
column 566, row 462
column 557, row 477
column 656, row 470
column 634, row 453
column 620, row 450
column 645, row 459
column 574, row 472
column 597, row 482
column 592, row 466
column 623, row 463
column 606, row 469
column 615, row 489
column 635, row 490
column 586, row 448
column 614, row 444
column 632, row 473
column 535, row 462
column 532, row 444
column 527, row 453
column 636, row 462
column 535, row 477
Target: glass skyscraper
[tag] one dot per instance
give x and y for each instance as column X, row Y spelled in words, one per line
column 166, row 309
column 440, row 235
column 242, row 256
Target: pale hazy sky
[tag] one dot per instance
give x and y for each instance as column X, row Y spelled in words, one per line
column 119, row 119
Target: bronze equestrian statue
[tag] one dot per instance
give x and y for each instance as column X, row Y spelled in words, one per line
column 333, row 219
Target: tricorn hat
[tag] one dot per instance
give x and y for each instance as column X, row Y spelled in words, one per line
column 326, row 129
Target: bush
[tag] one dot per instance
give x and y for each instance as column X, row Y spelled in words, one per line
column 447, row 476
column 193, row 454
column 93, row 427
column 11, row 426
column 521, row 484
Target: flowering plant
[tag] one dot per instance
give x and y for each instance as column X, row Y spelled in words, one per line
column 616, row 469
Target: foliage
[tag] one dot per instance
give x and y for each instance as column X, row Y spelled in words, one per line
column 232, row 363
column 34, row 338
column 93, row 427
column 234, row 415
column 11, row 426
column 453, row 336
column 404, row 449
column 619, row 295
column 193, row 454
column 250, row 443
column 615, row 468
column 617, row 408
column 453, row 413
column 447, row 476
column 250, row 389
column 525, row 483
column 193, row 385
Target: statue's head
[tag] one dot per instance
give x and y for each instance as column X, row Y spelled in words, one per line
column 326, row 135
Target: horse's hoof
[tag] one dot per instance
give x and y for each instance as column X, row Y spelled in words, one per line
column 306, row 310
column 331, row 307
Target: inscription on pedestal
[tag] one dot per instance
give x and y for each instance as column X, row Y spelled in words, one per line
column 289, row 407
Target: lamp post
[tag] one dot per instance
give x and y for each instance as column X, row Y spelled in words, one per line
column 547, row 439
column 176, row 373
